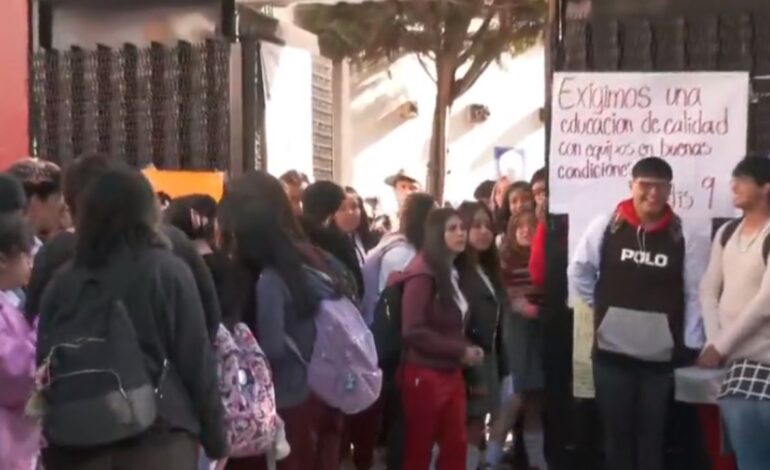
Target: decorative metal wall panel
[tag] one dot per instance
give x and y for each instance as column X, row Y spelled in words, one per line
column 323, row 118
column 669, row 45
column 605, row 47
column 162, row 105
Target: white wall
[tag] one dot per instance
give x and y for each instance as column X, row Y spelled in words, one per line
column 380, row 141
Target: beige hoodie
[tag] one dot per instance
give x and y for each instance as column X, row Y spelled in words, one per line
column 735, row 297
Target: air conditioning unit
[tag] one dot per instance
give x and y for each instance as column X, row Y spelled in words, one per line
column 409, row 110
column 478, row 113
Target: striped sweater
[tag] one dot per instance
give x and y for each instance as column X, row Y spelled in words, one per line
column 517, row 279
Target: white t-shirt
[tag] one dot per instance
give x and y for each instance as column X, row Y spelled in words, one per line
column 462, row 302
column 395, row 260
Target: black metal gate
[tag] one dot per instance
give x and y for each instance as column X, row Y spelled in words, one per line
column 159, row 105
column 728, row 36
column 730, row 41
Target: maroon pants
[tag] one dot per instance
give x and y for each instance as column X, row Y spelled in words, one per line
column 314, row 432
column 712, row 424
column 434, row 412
column 362, row 432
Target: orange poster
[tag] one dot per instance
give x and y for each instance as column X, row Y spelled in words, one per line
column 184, row 183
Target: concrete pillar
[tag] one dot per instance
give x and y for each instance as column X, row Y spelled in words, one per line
column 343, row 158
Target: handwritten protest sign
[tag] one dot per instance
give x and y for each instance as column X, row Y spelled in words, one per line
column 604, row 122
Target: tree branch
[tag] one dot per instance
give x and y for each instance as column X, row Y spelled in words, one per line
column 475, row 40
column 425, row 67
column 457, row 23
column 481, row 62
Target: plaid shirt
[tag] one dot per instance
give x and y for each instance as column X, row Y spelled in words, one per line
column 746, row 379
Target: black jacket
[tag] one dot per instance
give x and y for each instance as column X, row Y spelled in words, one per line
column 166, row 310
column 484, row 324
column 61, row 249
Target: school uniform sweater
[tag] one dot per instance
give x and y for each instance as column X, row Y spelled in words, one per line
column 735, row 295
column 642, row 284
column 433, row 333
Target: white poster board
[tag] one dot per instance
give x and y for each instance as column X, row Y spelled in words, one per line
column 288, row 75
column 602, row 123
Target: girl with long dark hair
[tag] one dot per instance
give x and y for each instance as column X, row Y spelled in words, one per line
column 352, row 220
column 286, row 303
column 487, row 303
column 118, row 245
column 320, row 202
column 434, row 311
column 361, row 430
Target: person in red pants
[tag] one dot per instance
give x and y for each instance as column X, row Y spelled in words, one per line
column 435, row 348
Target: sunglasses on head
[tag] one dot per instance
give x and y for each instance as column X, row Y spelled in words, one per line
column 41, row 189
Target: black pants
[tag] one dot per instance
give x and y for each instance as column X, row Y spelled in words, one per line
column 156, row 450
column 633, row 404
column 558, row 403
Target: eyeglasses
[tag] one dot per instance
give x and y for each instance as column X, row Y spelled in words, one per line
column 649, row 185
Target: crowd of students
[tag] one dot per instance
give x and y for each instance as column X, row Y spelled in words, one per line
column 96, row 271
column 92, row 250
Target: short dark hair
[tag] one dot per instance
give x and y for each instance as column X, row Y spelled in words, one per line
column 540, row 175
column 755, row 167
column 321, row 200
column 484, row 190
column 12, row 196
column 82, row 172
column 16, row 236
column 652, row 167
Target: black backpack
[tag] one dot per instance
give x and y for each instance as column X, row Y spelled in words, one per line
column 729, row 231
column 98, row 390
column 386, row 328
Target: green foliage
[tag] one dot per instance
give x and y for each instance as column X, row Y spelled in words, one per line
column 458, row 39
column 472, row 30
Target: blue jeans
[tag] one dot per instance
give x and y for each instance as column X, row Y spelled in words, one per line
column 748, row 427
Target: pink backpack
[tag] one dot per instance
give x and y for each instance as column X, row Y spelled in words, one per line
column 246, row 385
column 343, row 370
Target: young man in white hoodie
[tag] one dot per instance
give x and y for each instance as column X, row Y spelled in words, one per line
column 735, row 298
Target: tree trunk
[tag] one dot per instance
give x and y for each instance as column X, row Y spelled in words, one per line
column 445, row 71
